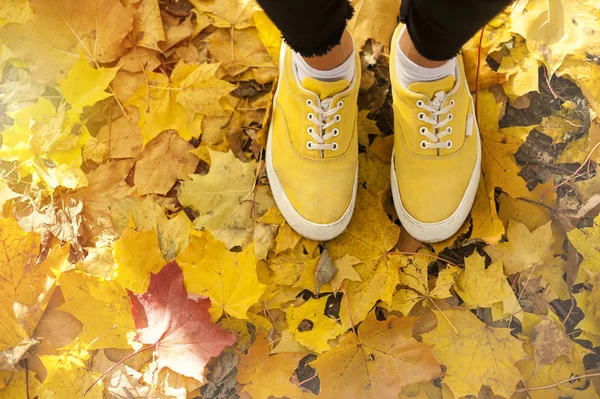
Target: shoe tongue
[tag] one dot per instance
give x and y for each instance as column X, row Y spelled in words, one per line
column 325, row 89
column 430, row 88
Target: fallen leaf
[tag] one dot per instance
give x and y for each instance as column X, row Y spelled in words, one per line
column 345, row 271
column 61, row 30
column 179, row 328
column 225, row 197
column 85, row 86
column 165, row 159
column 460, row 338
column 524, row 249
column 137, row 254
column 586, row 241
column 102, row 306
column 377, row 363
column 373, row 19
column 18, row 385
column 478, row 286
column 311, row 327
column 69, row 376
column 264, row 375
column 229, row 279
column 414, row 282
column 550, row 341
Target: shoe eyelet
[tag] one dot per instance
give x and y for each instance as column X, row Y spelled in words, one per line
column 419, row 103
column 423, row 130
column 449, row 144
column 310, row 130
column 451, row 103
column 449, row 129
column 421, row 116
column 341, row 104
column 338, row 118
column 310, row 116
column 308, row 102
column 450, row 116
column 335, row 132
column 309, row 145
column 424, row 144
column 335, row 147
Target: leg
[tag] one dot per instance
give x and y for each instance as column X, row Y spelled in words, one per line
column 437, row 152
column 312, row 147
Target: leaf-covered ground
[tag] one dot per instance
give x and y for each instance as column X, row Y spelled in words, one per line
column 142, row 255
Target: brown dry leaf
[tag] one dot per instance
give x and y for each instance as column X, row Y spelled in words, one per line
column 377, row 363
column 550, row 341
column 123, row 137
column 164, row 160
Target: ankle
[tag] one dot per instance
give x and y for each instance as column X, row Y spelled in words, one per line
column 408, row 48
column 335, row 57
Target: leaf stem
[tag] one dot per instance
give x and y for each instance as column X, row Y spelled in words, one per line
column 116, row 364
column 557, row 384
column 349, row 310
column 418, row 254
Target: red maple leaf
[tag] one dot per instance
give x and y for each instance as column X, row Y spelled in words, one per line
column 179, row 328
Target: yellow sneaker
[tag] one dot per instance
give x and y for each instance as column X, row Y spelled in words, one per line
column 436, row 160
column 312, row 151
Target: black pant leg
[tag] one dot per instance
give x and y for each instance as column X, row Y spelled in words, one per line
column 309, row 27
column 439, row 28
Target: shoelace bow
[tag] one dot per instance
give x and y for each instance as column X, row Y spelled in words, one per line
column 323, row 111
column 434, row 108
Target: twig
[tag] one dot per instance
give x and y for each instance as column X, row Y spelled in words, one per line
column 308, row 379
column 27, row 378
column 117, row 364
column 418, row 254
column 557, row 384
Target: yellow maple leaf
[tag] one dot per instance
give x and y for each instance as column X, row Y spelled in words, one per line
column 147, row 215
column 414, row 282
column 263, row 375
column 85, row 86
column 180, row 101
column 25, row 286
column 478, row 286
column 524, row 249
column 137, row 254
column 102, row 306
column 60, row 30
column 457, row 345
column 229, row 279
column 345, row 271
column 587, row 243
column 377, row 363
column 521, row 71
column 311, row 327
column 69, row 376
column 225, row 197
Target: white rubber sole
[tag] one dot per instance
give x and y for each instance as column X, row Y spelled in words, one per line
column 442, row 230
column 306, row 228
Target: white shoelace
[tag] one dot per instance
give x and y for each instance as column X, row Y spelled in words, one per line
column 323, row 111
column 434, row 108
